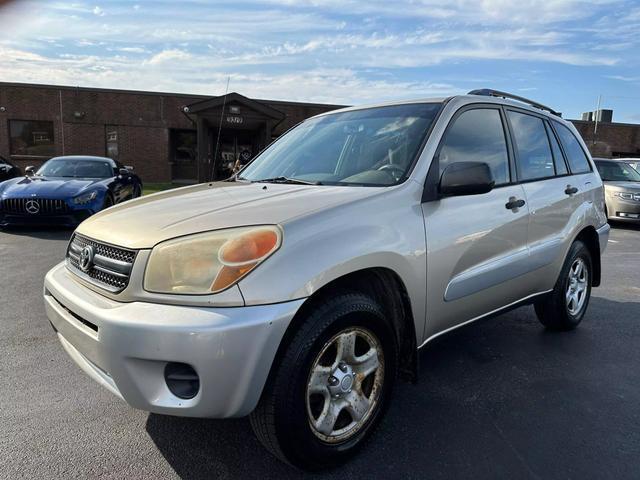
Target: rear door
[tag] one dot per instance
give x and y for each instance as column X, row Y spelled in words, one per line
column 550, row 192
column 476, row 244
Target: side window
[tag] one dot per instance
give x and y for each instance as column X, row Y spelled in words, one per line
column 532, row 145
column 575, row 155
column 477, row 136
column 558, row 158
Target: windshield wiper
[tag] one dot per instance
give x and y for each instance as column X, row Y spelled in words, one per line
column 237, row 178
column 294, row 181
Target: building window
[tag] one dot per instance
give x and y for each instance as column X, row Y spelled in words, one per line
column 183, row 155
column 32, row 138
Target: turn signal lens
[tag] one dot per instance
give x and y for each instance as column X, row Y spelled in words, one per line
column 247, row 248
column 243, row 253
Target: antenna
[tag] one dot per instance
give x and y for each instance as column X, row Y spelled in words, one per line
column 215, row 155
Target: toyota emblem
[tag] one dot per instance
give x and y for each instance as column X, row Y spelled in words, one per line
column 32, row 207
column 86, row 258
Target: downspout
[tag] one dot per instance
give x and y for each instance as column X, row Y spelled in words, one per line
column 61, row 121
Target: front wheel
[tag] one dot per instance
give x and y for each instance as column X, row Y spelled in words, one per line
column 108, row 202
column 332, row 384
column 565, row 307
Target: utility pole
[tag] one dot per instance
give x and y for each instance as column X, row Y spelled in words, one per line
column 595, row 125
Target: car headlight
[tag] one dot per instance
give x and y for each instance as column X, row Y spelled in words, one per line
column 209, row 262
column 628, row 196
column 85, row 198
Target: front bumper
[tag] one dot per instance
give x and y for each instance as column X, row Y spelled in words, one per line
column 71, row 219
column 623, row 210
column 126, row 346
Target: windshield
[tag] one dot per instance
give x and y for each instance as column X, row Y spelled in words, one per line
column 375, row 146
column 617, row 172
column 76, row 168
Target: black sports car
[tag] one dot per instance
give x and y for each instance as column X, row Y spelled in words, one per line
column 66, row 190
column 8, row 170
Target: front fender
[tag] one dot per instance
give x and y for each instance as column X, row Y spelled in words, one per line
column 323, row 247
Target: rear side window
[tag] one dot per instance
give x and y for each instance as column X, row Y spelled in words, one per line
column 532, row 145
column 558, row 158
column 477, row 136
column 575, row 154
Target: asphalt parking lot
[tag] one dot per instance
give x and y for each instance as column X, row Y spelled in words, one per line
column 497, row 399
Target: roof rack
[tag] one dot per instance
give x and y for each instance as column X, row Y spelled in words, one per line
column 487, row 92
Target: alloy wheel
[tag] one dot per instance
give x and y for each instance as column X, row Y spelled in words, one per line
column 345, row 384
column 576, row 293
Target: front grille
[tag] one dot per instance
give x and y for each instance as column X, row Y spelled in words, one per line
column 34, row 206
column 109, row 268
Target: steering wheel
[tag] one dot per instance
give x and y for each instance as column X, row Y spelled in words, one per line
column 394, row 170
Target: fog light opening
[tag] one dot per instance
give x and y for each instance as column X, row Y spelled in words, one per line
column 182, row 380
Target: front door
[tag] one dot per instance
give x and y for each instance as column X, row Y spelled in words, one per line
column 476, row 244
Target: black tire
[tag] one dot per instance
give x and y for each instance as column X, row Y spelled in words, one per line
column 281, row 422
column 137, row 191
column 108, row 201
column 553, row 311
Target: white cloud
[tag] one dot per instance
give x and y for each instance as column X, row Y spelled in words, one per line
column 168, row 56
column 132, row 49
column 341, row 51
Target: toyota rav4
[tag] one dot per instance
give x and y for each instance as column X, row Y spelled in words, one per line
column 300, row 289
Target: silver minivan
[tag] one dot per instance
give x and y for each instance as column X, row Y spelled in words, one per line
column 300, row 289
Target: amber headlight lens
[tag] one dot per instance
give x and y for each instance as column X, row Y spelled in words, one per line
column 209, row 262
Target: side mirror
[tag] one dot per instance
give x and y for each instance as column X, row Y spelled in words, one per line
column 131, row 168
column 466, row 178
column 30, row 171
column 124, row 172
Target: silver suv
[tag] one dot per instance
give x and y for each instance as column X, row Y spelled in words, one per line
column 299, row 290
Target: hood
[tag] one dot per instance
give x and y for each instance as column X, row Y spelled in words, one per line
column 144, row 222
column 623, row 186
column 45, row 187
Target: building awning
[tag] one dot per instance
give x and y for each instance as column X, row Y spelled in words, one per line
column 233, row 98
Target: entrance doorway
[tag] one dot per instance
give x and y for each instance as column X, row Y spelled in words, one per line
column 234, row 150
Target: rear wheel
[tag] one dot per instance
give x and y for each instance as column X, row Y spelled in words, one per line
column 332, row 385
column 565, row 307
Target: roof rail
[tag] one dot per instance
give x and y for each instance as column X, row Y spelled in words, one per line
column 487, row 92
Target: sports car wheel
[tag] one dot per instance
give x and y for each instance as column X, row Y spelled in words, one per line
column 108, row 202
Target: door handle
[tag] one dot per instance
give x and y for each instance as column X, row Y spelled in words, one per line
column 514, row 203
column 570, row 190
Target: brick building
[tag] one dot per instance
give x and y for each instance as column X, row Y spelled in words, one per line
column 610, row 139
column 165, row 136
column 176, row 137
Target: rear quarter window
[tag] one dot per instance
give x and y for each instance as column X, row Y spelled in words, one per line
column 576, row 157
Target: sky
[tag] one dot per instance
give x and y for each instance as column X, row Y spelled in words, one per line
column 563, row 53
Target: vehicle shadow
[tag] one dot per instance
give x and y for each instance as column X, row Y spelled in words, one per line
column 45, row 233
column 625, row 225
column 502, row 398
